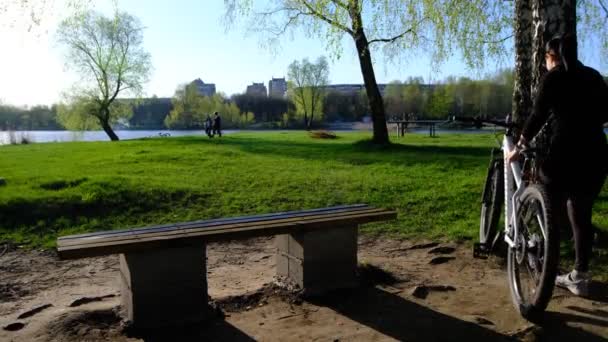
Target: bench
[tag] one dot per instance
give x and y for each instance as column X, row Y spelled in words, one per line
column 163, row 268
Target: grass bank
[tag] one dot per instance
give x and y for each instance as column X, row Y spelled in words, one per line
column 63, row 188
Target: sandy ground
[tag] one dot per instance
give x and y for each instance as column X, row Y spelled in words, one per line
column 467, row 299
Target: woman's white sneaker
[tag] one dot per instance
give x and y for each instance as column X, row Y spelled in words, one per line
column 576, row 282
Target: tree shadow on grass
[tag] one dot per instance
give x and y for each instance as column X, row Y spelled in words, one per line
column 47, row 215
column 358, row 153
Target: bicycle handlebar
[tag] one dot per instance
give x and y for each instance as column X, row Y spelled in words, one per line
column 479, row 121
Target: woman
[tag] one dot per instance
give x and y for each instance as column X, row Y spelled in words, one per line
column 576, row 160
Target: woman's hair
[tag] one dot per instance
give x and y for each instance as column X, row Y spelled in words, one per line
column 564, row 48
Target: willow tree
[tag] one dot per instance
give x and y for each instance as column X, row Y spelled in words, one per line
column 393, row 28
column 108, row 54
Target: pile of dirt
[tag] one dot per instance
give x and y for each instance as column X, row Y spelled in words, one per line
column 260, row 297
column 12, row 291
column 87, row 325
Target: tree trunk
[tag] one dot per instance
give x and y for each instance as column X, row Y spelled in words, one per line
column 371, row 87
column 522, row 89
column 310, row 120
column 550, row 18
column 105, row 124
column 109, row 131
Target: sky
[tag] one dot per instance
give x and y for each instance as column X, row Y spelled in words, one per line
column 187, row 39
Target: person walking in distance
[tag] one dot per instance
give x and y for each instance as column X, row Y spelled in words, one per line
column 217, row 124
column 208, row 126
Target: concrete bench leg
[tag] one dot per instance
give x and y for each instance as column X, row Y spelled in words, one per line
column 165, row 287
column 319, row 261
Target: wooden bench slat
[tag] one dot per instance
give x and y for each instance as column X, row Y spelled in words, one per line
column 182, row 230
column 73, row 252
column 215, row 222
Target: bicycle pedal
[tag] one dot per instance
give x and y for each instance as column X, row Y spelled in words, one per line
column 480, row 251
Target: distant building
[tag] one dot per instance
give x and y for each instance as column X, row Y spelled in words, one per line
column 257, row 89
column 345, row 88
column 277, row 87
column 204, row 89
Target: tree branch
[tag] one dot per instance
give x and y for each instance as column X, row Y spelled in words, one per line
column 399, row 36
column 89, row 61
column 392, row 39
column 497, row 41
column 340, row 4
column 326, row 19
column 289, row 22
column 604, row 7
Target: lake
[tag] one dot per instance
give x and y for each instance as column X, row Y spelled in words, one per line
column 60, row 136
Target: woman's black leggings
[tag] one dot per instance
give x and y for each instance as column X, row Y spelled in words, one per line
column 576, row 202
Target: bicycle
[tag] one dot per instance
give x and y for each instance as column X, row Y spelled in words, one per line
column 530, row 233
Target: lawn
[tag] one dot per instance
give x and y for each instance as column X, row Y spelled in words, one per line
column 63, row 188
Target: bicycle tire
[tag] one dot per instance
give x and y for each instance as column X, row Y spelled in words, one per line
column 534, row 308
column 491, row 204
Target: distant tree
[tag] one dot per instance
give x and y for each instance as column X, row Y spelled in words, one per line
column 186, row 112
column 150, row 113
column 344, row 107
column 265, row 109
column 307, row 82
column 440, row 103
column 190, row 110
column 413, row 96
column 394, row 98
column 10, row 117
column 34, row 118
column 108, row 53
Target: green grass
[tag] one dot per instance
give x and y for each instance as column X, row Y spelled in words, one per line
column 64, row 188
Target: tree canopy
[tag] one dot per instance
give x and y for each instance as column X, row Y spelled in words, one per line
column 391, row 27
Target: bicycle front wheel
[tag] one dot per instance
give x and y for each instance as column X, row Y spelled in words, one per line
column 533, row 263
column 491, row 204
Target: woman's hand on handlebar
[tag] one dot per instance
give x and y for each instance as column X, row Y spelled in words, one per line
column 514, row 155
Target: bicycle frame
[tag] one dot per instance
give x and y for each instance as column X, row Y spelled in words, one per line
column 512, row 179
column 513, row 176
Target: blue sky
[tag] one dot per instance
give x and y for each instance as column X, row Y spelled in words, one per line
column 187, row 39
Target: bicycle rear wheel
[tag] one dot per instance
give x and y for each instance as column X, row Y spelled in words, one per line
column 532, row 264
column 491, row 204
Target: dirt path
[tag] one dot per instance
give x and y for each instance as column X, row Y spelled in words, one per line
column 462, row 298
